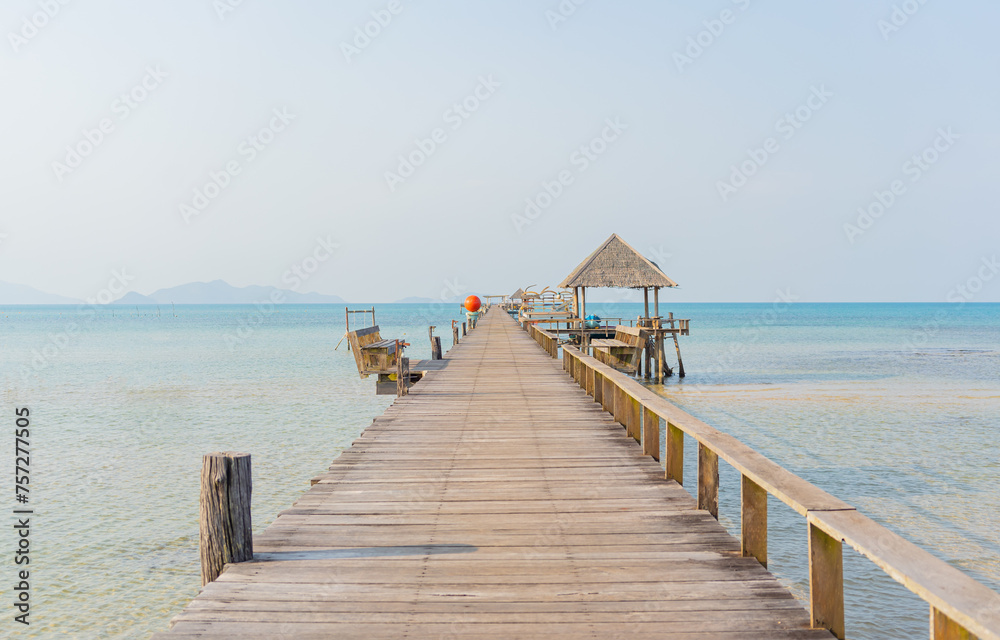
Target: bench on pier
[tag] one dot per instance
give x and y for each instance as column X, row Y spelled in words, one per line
column 372, row 354
column 378, row 356
column 623, row 352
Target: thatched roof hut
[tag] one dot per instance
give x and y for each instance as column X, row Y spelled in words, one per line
column 617, row 265
column 517, row 295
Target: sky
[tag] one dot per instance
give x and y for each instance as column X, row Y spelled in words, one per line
column 837, row 151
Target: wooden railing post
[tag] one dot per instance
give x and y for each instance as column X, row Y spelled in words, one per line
column 944, row 628
column 588, row 376
column 634, row 418
column 826, row 582
column 621, row 412
column 753, row 521
column 454, row 335
column 463, row 330
column 598, row 388
column 675, row 454
column 650, row 434
column 708, row 480
column 225, row 529
column 608, row 396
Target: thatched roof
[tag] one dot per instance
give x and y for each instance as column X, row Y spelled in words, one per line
column 517, row 295
column 617, row 265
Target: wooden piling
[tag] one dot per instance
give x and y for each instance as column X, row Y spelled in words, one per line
column 436, row 347
column 225, row 530
column 454, row 335
column 463, row 330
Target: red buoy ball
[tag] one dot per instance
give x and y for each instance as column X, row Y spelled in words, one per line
column 472, row 304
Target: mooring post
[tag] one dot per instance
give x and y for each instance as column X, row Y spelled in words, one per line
column 225, row 529
column 463, row 330
column 402, row 375
column 454, row 333
column 435, row 343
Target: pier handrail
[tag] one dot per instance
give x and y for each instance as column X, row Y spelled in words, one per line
column 959, row 605
column 546, row 340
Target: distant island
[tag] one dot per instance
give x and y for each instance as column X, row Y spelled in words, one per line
column 215, row 292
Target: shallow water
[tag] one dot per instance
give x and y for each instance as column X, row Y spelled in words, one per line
column 893, row 408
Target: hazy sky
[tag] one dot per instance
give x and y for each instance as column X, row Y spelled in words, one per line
column 730, row 141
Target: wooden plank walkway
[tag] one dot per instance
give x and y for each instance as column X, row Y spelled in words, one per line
column 497, row 500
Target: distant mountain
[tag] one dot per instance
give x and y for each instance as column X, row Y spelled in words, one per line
column 134, row 298
column 215, row 292
column 221, row 292
column 23, row 294
column 414, row 300
column 419, row 300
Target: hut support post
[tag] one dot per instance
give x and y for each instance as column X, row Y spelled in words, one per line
column 658, row 335
column 677, row 346
column 647, row 347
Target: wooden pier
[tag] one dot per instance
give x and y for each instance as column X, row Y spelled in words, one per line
column 499, row 500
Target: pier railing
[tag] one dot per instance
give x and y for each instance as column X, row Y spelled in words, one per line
column 546, row 340
column 959, row 605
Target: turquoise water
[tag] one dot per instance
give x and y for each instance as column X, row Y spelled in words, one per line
column 891, row 407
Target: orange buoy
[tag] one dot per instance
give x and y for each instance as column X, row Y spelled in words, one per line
column 472, row 304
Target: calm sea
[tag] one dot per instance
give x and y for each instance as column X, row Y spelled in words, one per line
column 893, row 408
